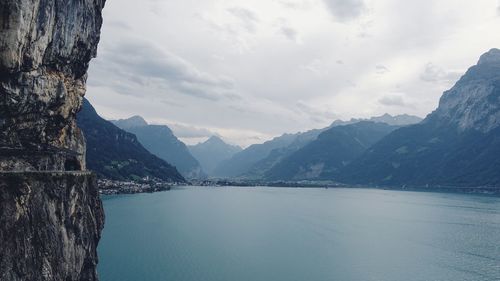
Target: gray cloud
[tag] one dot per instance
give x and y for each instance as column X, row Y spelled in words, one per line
column 395, row 100
column 381, row 69
column 315, row 114
column 498, row 9
column 119, row 25
column 186, row 131
column 249, row 19
column 296, row 5
column 137, row 63
column 433, row 73
column 289, row 33
column 345, row 10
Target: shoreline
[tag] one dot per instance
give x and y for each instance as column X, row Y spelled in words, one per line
column 485, row 191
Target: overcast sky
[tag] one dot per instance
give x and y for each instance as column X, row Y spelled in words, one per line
column 252, row 70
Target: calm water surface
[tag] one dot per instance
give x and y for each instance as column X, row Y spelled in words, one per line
column 281, row 234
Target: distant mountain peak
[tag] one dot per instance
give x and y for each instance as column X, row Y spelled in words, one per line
column 396, row 120
column 134, row 121
column 212, row 152
column 215, row 139
column 492, row 56
column 474, row 101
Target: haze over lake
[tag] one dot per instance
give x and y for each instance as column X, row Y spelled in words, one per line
column 226, row 234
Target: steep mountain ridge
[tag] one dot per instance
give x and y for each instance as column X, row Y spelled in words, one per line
column 456, row 145
column 161, row 141
column 115, row 154
column 51, row 216
column 134, row 121
column 331, row 151
column 244, row 160
column 257, row 160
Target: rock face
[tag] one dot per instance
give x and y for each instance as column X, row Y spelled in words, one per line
column 474, row 102
column 45, row 49
column 50, row 213
column 458, row 145
column 50, row 225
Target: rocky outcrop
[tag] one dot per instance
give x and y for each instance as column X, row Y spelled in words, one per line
column 45, row 49
column 456, row 146
column 474, row 102
column 50, row 213
column 50, row 225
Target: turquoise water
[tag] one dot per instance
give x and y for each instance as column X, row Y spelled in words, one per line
column 285, row 234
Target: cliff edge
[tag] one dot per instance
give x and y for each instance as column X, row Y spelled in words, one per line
column 51, row 216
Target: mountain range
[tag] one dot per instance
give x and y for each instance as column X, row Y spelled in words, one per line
column 212, row 152
column 333, row 149
column 115, row 154
column 456, row 145
column 257, row 161
column 161, row 141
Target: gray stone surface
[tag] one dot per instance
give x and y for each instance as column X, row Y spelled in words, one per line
column 50, row 218
column 45, row 49
column 50, row 224
column 474, row 102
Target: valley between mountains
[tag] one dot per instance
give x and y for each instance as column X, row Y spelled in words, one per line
column 455, row 146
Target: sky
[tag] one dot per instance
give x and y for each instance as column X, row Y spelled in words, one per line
column 249, row 71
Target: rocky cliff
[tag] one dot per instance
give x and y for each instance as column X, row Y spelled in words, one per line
column 45, row 49
column 50, row 225
column 456, row 146
column 50, row 212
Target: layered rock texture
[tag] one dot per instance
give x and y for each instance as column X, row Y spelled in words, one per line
column 50, row 225
column 50, row 213
column 45, row 49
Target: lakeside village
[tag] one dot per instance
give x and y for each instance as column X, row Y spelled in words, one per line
column 149, row 185
column 144, row 185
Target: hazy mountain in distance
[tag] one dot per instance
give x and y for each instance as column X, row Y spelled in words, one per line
column 115, row 154
column 398, row 120
column 160, row 141
column 241, row 162
column 260, row 168
column 457, row 145
column 134, row 121
column 332, row 150
column 212, row 152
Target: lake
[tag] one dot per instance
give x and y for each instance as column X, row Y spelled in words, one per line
column 300, row 234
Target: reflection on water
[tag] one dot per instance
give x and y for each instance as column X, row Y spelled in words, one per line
column 274, row 234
